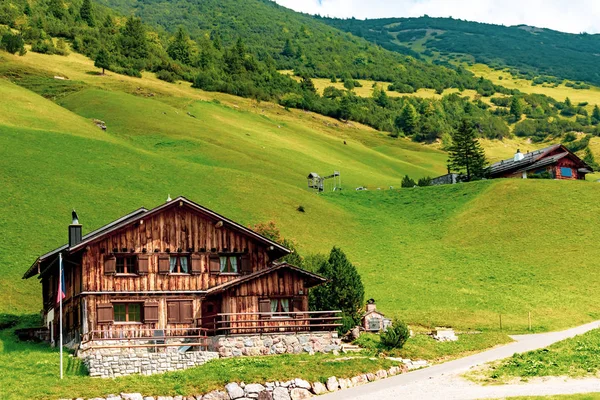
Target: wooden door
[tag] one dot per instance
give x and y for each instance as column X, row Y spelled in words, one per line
column 210, row 310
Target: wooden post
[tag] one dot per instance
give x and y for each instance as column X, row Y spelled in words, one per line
column 500, row 321
column 529, row 319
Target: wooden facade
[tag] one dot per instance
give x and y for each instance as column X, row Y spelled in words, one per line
column 166, row 270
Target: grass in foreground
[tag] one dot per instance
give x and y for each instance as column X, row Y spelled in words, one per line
column 575, row 357
column 424, row 347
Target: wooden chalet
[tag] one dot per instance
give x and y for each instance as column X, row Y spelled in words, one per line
column 555, row 162
column 178, row 270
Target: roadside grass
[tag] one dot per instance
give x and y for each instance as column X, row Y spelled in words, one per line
column 424, row 347
column 31, row 371
column 575, row 357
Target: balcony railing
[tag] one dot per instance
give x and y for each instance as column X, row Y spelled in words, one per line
column 270, row 322
column 158, row 338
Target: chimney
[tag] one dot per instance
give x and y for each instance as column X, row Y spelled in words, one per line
column 371, row 305
column 518, row 155
column 74, row 231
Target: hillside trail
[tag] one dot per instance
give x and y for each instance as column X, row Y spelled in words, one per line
column 444, row 381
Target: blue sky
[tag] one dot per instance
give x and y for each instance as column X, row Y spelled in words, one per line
column 573, row 16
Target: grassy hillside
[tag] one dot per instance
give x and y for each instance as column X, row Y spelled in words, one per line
column 529, row 50
column 453, row 255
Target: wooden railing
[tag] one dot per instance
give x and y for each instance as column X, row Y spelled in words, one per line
column 270, row 322
column 170, row 337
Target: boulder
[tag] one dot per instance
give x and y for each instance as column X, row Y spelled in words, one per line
column 234, row 390
column 253, row 389
column 216, row 395
column 301, row 383
column 381, row 374
column 332, row 384
column 318, row 388
column 132, row 396
column 300, row 394
column 265, row 395
column 371, row 377
column 281, row 393
column 344, row 383
column 359, row 380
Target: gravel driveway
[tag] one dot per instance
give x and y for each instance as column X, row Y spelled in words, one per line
column 443, row 381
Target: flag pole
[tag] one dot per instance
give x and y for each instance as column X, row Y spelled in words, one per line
column 60, row 292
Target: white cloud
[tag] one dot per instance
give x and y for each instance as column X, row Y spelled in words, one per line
column 573, row 16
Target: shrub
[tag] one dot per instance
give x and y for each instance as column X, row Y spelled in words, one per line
column 8, row 321
column 301, row 208
column 166, row 76
column 43, row 47
column 408, row 182
column 424, row 181
column 12, row 43
column 395, row 336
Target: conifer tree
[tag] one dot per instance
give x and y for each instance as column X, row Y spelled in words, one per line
column 180, row 48
column 133, row 40
column 596, row 115
column 408, row 120
column 102, row 60
column 516, row 108
column 86, row 12
column 288, row 50
column 466, row 154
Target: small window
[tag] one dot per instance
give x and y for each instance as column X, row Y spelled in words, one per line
column 179, row 264
column 280, row 306
column 566, row 172
column 128, row 312
column 229, row 264
column 126, row 264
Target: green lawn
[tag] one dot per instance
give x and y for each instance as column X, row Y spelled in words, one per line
column 576, row 357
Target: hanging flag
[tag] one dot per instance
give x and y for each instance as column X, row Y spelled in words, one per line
column 61, row 284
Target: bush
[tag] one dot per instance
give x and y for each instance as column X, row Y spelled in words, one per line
column 166, row 76
column 12, row 43
column 408, row 182
column 8, row 321
column 395, row 336
column 423, row 182
column 301, row 208
column 43, row 47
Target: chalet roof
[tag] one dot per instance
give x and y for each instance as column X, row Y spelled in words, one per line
column 532, row 160
column 144, row 213
column 314, row 278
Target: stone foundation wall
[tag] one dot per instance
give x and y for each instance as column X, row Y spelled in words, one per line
column 294, row 343
column 107, row 364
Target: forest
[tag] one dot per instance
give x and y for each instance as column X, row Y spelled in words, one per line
column 530, row 51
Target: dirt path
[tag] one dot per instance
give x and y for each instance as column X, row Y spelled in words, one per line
column 443, row 381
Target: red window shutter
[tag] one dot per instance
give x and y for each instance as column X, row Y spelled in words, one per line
column 246, row 264
column 163, row 264
column 215, row 265
column 104, row 313
column 150, row 312
column 196, row 264
column 186, row 312
column 142, row 264
column 173, row 312
column 110, row 265
column 264, row 306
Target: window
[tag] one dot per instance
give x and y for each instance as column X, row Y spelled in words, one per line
column 180, row 312
column 178, row 264
column 127, row 312
column 566, row 172
column 229, row 264
column 280, row 306
column 126, row 264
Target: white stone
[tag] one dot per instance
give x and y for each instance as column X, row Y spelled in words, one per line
column 332, row 384
column 280, row 393
column 319, row 388
column 301, row 383
column 254, row 388
column 216, row 395
column 234, row 390
column 132, row 396
column 300, row 394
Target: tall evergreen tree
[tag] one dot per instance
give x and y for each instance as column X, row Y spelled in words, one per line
column 57, row 8
column 408, row 120
column 516, row 108
column 102, row 60
column 596, row 115
column 87, row 13
column 288, row 50
column 344, row 289
column 180, row 48
column 133, row 41
column 466, row 154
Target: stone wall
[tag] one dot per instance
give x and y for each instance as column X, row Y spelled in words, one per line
column 294, row 343
column 142, row 361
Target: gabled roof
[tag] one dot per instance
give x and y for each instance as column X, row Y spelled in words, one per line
column 314, row 278
column 144, row 213
column 534, row 159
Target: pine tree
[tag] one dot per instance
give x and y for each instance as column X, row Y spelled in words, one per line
column 466, row 154
column 288, row 50
column 596, row 115
column 408, row 120
column 180, row 48
column 102, row 60
column 86, row 12
column 27, row 9
column 408, row 182
column 57, row 8
column 132, row 41
column 516, row 108
column 344, row 290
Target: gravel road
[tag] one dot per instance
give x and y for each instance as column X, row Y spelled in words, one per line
column 443, row 381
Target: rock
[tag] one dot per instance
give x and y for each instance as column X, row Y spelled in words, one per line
column 301, row 383
column 152, row 398
column 132, row 396
column 178, row 398
column 280, row 393
column 381, row 374
column 344, row 383
column 113, row 397
column 359, row 380
column 252, row 390
column 164, row 398
column 371, row 377
column 216, row 395
column 318, row 388
column 300, row 394
column 265, row 395
column 234, row 390
column 332, row 384
column 394, row 371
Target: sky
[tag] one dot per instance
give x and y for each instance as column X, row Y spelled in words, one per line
column 574, row 16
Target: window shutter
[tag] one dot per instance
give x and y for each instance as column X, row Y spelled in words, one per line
column 186, row 312
column 163, row 264
column 142, row 264
column 196, row 264
column 110, row 265
column 246, row 264
column 150, row 312
column 264, row 306
column 172, row 312
column 297, row 304
column 215, row 265
column 104, row 313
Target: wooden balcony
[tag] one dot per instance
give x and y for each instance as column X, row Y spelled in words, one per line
column 270, row 322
